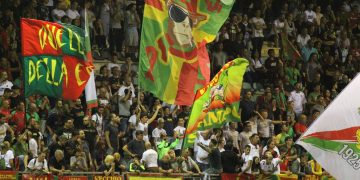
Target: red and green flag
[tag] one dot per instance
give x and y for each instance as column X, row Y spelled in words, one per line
column 217, row 102
column 174, row 61
column 333, row 139
column 55, row 59
column 289, row 51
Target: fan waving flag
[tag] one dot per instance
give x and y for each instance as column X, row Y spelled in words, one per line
column 218, row 102
column 289, row 51
column 55, row 59
column 334, row 138
column 174, row 62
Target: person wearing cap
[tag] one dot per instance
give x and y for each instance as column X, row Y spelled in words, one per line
column 7, row 155
column 158, row 130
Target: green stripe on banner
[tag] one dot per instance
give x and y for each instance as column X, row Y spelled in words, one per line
column 326, row 145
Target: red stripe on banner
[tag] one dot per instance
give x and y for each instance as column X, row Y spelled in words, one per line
column 40, row 37
column 155, row 3
column 348, row 134
column 187, row 83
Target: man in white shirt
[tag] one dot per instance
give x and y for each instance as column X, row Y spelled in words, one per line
column 39, row 163
column 202, row 155
column 270, row 165
column 4, row 82
column 149, row 158
column 254, row 145
column 303, row 38
column 299, row 99
column 58, row 12
column 7, row 154
column 33, row 145
column 245, row 135
column 180, row 131
column 234, row 135
column 72, row 12
column 310, row 15
column 144, row 122
column 158, row 130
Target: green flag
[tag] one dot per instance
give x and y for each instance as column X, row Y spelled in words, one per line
column 218, row 102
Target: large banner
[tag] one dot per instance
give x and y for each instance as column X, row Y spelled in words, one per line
column 333, row 139
column 226, row 176
column 8, row 175
column 153, row 177
column 174, row 61
column 37, row 177
column 107, row 177
column 55, row 59
column 218, row 102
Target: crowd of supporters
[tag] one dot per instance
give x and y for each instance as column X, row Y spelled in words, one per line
column 133, row 131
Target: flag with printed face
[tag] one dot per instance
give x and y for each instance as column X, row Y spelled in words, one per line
column 333, row 139
column 217, row 102
column 55, row 59
column 174, row 61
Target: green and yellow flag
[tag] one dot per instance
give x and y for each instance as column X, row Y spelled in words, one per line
column 174, row 62
column 218, row 102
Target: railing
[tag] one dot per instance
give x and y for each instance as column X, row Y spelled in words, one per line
column 13, row 175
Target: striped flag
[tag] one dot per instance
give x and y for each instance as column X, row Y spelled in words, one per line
column 334, row 138
column 90, row 88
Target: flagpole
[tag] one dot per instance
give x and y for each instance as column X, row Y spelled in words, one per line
column 23, row 74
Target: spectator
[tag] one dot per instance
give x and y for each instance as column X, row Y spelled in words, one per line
column 270, row 165
column 108, row 167
column 112, row 134
column 136, row 147
column 158, row 131
column 149, row 158
column 39, row 164
column 105, row 13
column 247, row 159
column 72, row 12
column 7, row 155
column 258, row 25
column 299, row 99
column 59, row 12
column 57, row 164
column 4, row 82
column 78, row 162
column 164, row 147
column 229, row 159
column 188, row 165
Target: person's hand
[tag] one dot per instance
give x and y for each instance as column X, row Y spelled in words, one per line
column 158, row 107
column 133, row 155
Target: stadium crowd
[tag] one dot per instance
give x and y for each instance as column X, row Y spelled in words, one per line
column 132, row 131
